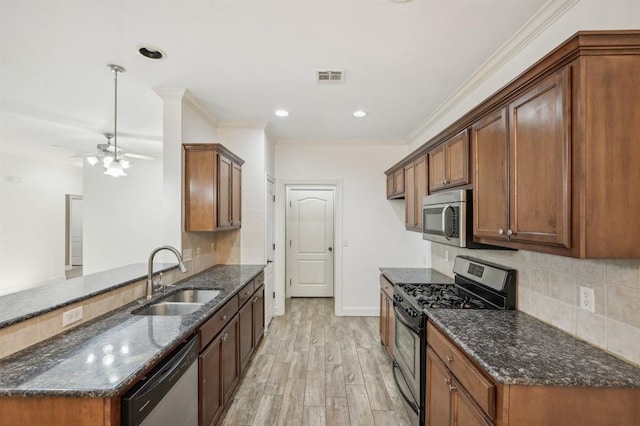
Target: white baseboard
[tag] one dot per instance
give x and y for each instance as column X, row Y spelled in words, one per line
column 360, row 312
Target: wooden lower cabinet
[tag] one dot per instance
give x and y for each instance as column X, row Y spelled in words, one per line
column 387, row 324
column 54, row 411
column 458, row 392
column 245, row 319
column 219, row 373
column 258, row 316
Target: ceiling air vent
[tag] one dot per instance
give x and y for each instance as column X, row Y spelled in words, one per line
column 330, row 76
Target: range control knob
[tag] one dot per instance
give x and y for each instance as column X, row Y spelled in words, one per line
column 397, row 298
column 412, row 313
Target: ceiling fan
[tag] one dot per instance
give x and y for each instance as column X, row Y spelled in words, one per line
column 105, row 152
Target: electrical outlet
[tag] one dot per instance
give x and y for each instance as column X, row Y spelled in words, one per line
column 446, row 255
column 187, row 254
column 587, row 299
column 198, row 251
column 71, row 316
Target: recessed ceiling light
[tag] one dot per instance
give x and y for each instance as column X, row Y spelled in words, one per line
column 359, row 113
column 282, row 113
column 151, row 52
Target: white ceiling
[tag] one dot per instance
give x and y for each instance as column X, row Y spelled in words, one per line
column 241, row 59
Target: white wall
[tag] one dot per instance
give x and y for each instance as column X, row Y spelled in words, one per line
column 584, row 15
column 373, row 226
column 123, row 218
column 249, row 143
column 32, row 221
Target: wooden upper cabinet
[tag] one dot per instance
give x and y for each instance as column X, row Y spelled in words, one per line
column 212, row 188
column 416, row 188
column 449, row 163
column 395, row 183
column 540, row 163
column 522, row 183
column 491, row 176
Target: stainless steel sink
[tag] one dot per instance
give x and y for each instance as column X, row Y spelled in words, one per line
column 170, row 308
column 181, row 302
column 191, row 296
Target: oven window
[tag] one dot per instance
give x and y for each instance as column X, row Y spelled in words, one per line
column 406, row 344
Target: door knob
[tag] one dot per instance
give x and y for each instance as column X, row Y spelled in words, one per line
column 330, row 248
column 509, row 232
column 500, row 231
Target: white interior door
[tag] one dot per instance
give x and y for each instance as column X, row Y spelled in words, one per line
column 310, row 222
column 269, row 281
column 76, row 230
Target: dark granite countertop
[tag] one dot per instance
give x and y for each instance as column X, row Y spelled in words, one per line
column 517, row 349
column 105, row 356
column 415, row 276
column 20, row 306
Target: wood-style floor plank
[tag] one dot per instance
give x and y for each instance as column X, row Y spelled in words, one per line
column 314, row 368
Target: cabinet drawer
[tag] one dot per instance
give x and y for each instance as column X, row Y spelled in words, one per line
column 213, row 325
column 259, row 280
column 481, row 389
column 386, row 286
column 246, row 292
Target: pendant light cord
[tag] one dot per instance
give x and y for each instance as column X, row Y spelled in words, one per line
column 115, row 115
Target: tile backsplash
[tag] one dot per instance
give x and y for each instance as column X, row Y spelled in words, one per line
column 548, row 289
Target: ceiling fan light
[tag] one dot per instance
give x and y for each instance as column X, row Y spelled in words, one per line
column 115, row 169
column 106, row 161
column 93, row 160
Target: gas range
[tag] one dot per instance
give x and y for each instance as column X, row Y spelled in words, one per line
column 477, row 285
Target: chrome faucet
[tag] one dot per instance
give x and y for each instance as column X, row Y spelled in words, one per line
column 150, row 282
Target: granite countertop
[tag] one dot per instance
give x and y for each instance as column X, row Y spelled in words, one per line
column 517, row 349
column 20, row 306
column 105, row 356
column 415, row 276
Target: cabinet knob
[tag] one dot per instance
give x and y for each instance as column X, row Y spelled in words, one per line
column 451, row 388
column 509, row 232
column 225, row 337
column 446, row 380
column 444, row 182
column 449, row 359
column 500, row 231
column 224, row 318
column 255, row 299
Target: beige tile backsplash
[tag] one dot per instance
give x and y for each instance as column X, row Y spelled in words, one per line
column 548, row 289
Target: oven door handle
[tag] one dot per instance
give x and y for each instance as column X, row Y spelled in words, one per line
column 409, row 400
column 398, row 316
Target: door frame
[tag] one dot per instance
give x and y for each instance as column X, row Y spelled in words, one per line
column 68, row 252
column 270, row 252
column 282, row 189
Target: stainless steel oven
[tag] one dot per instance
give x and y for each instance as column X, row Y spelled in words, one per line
column 407, row 360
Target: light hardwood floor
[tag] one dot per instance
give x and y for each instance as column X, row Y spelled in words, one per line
column 314, row 368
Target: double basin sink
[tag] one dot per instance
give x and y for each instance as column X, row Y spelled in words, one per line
column 181, row 302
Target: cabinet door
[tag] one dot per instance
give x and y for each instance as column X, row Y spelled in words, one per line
column 437, row 174
column 390, row 186
column 491, row 189
column 224, row 191
column 245, row 338
column 258, row 316
column 540, row 172
column 229, row 351
column 438, row 392
column 236, row 195
column 199, row 209
column 384, row 313
column 457, row 159
column 391, row 331
column 398, row 181
column 409, row 197
column 465, row 412
column 421, row 189
column 210, row 386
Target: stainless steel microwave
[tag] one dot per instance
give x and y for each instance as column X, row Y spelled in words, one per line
column 447, row 219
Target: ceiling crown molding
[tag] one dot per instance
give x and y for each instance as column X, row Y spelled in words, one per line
column 188, row 99
column 341, row 142
column 549, row 13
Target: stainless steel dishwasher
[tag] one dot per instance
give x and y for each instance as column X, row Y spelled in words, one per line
column 168, row 395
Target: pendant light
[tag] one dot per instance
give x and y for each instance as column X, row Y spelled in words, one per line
column 114, row 168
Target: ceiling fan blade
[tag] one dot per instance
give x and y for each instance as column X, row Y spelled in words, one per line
column 138, row 156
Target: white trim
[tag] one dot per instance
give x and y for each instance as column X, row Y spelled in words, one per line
column 245, row 124
column 547, row 15
column 360, row 312
column 354, row 141
column 280, row 274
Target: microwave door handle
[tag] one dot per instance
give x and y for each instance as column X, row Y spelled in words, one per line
column 446, row 234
